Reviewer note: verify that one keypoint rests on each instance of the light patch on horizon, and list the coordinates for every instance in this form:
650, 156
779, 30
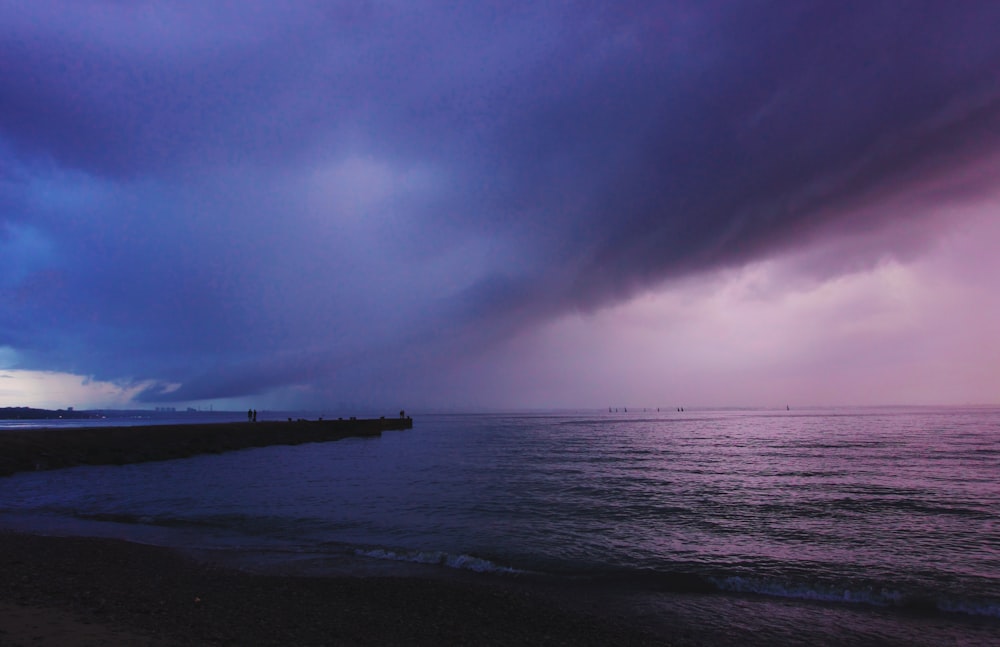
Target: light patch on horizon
53, 390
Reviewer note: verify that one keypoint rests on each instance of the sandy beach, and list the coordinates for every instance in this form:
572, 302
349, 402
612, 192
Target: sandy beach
81, 591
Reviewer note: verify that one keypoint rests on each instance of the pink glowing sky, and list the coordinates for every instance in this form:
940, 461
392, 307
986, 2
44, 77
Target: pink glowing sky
922, 329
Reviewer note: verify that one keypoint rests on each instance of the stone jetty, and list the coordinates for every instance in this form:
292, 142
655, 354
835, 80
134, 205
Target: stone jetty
43, 449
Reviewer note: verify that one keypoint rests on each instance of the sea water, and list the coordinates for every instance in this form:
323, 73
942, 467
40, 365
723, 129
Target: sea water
873, 525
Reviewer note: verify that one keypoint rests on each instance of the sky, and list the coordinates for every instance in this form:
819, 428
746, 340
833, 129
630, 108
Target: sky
433, 205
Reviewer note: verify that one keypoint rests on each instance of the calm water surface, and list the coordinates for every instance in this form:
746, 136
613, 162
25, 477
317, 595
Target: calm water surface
872, 525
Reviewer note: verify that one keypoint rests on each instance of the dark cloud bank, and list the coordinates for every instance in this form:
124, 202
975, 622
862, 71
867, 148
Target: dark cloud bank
162, 169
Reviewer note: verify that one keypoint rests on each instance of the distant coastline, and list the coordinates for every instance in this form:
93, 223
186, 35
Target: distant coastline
29, 413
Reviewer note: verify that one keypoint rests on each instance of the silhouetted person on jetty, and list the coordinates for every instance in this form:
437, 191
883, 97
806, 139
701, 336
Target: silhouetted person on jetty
255, 415
249, 415
402, 413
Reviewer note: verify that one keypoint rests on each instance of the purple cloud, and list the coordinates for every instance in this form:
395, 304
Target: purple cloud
243, 198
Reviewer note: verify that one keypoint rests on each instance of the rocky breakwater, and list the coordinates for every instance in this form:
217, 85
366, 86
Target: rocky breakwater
43, 449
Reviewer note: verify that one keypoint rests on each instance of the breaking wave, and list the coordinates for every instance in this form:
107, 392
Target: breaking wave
881, 597
440, 558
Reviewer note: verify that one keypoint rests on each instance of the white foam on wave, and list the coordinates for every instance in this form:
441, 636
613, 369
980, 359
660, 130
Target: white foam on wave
440, 558
970, 607
737, 584
880, 597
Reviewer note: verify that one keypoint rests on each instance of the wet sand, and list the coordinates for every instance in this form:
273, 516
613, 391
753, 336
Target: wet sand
42, 449
82, 591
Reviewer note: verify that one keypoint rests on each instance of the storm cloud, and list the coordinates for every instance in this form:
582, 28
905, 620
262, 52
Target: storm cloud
220, 200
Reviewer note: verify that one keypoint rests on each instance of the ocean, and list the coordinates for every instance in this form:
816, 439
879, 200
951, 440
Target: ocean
812, 526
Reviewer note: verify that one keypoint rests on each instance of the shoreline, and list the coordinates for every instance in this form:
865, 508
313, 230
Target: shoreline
76, 591
127, 593
53, 448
